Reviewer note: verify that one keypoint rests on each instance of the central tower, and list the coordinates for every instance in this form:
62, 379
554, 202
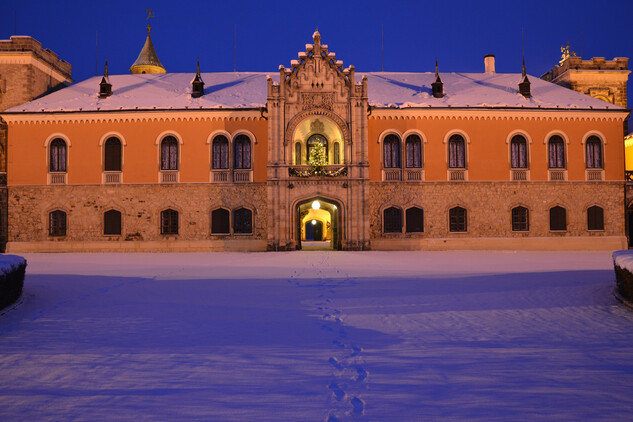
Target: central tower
317, 101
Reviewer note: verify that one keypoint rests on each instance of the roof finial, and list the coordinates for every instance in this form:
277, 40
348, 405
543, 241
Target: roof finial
437, 73
105, 71
150, 14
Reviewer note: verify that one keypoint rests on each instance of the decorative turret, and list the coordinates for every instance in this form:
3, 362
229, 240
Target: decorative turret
524, 85
437, 87
197, 85
316, 37
105, 87
147, 61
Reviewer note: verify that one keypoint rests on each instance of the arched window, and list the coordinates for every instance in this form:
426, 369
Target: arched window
413, 151
456, 152
242, 221
169, 222
518, 152
557, 219
593, 149
298, 153
392, 220
556, 148
57, 162
57, 223
112, 155
595, 218
242, 152
220, 221
391, 151
520, 219
169, 153
337, 153
220, 152
415, 220
314, 139
457, 219
112, 223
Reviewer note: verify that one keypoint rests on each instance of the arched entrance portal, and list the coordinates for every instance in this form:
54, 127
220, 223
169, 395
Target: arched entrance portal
318, 224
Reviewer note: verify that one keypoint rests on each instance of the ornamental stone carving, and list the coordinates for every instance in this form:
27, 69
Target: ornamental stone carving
312, 100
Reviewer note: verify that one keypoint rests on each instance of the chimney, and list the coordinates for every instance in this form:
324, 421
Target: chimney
489, 63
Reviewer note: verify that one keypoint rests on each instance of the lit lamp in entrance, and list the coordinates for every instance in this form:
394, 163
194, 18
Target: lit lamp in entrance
314, 222
316, 206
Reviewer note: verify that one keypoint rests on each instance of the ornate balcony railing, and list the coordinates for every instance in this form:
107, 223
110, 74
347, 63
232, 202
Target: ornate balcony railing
594, 174
628, 176
3, 179
333, 170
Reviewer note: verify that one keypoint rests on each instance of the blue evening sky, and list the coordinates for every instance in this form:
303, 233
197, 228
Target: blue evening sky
270, 33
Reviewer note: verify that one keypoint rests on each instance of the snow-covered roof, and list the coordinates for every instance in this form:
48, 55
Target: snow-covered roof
248, 90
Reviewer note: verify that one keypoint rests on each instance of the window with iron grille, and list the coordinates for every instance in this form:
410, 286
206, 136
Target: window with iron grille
242, 221
457, 219
392, 220
415, 220
520, 219
557, 219
112, 155
57, 223
169, 153
57, 161
391, 151
169, 222
112, 223
220, 221
220, 152
595, 218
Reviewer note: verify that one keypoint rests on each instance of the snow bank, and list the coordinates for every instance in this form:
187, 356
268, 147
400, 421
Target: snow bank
623, 263
9, 263
12, 268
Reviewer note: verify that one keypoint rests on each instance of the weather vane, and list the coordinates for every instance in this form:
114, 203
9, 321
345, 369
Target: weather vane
565, 54
150, 15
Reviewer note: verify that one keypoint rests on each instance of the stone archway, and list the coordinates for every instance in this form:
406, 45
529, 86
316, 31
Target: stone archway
325, 217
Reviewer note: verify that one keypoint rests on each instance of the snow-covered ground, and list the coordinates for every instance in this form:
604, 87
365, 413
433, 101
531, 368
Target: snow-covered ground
314, 336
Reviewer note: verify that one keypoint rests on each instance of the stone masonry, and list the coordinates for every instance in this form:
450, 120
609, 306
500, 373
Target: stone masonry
489, 207
140, 206
26, 71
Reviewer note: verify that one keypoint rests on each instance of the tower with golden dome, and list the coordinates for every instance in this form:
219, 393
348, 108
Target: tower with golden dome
147, 60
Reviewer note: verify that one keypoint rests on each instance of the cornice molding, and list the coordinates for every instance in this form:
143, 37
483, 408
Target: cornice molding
497, 114
133, 116
29, 58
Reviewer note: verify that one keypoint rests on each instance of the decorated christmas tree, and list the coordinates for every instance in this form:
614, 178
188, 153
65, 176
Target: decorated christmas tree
317, 158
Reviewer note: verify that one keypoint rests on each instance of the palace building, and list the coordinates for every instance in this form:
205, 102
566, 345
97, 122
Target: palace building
315, 154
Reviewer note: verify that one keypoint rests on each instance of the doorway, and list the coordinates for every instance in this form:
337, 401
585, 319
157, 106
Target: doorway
317, 224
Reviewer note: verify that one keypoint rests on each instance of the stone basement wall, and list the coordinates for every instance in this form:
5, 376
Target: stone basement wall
140, 206
489, 207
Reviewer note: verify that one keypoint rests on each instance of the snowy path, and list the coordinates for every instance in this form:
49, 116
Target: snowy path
323, 336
